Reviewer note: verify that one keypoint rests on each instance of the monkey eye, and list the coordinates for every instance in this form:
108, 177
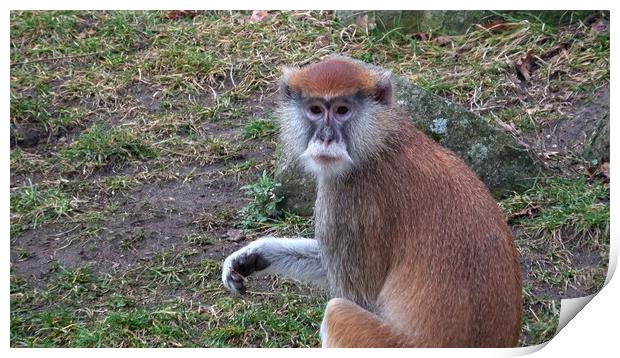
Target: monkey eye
315, 112
342, 112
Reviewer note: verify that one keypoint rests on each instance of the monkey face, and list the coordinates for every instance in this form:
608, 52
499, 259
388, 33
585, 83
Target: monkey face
335, 115
328, 119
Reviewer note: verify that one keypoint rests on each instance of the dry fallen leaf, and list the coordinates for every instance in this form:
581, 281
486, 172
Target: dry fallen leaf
527, 211
561, 49
235, 235
258, 15
177, 14
524, 66
361, 21
421, 36
322, 40
507, 126
600, 26
550, 154
601, 171
605, 170
86, 33
442, 40
495, 26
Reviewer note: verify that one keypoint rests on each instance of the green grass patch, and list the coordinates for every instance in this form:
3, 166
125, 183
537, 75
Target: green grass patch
30, 109
563, 235
18, 161
241, 168
270, 325
259, 128
79, 308
38, 110
42, 24
189, 60
99, 146
288, 224
223, 110
222, 149
558, 202
118, 183
540, 321
33, 206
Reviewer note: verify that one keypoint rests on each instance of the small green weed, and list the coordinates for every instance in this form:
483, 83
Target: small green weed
264, 201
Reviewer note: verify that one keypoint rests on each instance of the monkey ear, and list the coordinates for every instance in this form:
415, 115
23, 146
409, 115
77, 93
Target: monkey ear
285, 89
383, 90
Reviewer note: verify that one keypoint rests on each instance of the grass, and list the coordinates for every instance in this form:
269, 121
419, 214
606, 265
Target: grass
563, 227
33, 109
559, 203
37, 110
275, 329
99, 146
33, 206
259, 128
113, 113
541, 320
84, 309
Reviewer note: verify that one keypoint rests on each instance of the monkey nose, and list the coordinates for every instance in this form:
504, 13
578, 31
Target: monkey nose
326, 135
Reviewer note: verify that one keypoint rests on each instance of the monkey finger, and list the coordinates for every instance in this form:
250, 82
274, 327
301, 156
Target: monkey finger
245, 264
241, 290
235, 282
237, 288
237, 277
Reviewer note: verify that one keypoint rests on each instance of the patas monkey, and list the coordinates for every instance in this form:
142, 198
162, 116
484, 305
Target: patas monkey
409, 242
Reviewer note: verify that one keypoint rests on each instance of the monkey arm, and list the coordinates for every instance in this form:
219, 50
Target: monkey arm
299, 259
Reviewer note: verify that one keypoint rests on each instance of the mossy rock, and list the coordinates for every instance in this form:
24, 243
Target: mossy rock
454, 22
437, 21
596, 148
500, 161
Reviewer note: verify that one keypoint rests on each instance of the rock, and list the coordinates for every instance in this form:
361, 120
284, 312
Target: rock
235, 235
596, 149
592, 115
452, 22
297, 189
500, 161
436, 21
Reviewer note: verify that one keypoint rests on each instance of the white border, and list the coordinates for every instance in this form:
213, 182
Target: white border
592, 331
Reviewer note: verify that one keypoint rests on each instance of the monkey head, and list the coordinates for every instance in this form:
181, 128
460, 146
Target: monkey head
333, 115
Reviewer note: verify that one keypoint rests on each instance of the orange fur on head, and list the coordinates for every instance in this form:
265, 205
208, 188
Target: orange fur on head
330, 78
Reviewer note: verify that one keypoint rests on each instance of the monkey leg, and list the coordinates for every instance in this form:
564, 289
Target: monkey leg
346, 324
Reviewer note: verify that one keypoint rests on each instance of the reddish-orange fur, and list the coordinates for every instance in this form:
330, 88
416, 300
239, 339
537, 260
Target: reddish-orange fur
331, 78
413, 241
436, 245
350, 326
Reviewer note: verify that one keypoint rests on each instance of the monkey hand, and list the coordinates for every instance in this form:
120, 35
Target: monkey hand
240, 264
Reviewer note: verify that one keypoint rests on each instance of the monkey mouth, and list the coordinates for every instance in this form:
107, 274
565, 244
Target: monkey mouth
328, 160
323, 159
